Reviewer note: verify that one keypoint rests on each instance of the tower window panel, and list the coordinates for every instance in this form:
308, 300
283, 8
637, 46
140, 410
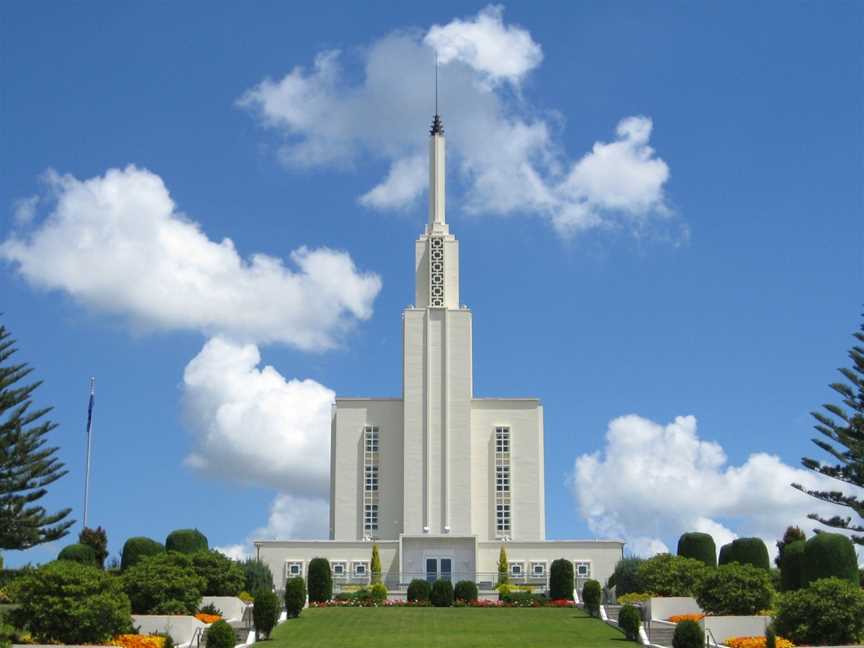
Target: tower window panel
503, 520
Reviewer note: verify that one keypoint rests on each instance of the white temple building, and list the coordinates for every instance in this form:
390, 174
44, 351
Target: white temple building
438, 478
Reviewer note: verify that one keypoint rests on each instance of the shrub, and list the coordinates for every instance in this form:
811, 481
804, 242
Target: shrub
265, 612
442, 593
634, 597
70, 603
830, 555
378, 592
629, 620
735, 589
257, 575
466, 591
165, 577
792, 566
666, 575
137, 548
96, 539
792, 534
246, 597
222, 576
295, 596
561, 579
626, 580
210, 609
591, 597
746, 551
171, 606
688, 634
518, 598
770, 637
79, 553
320, 580
699, 546
723, 554
375, 565
418, 590
503, 572
220, 635
826, 612
186, 541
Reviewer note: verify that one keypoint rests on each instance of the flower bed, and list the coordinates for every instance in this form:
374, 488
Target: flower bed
138, 641
479, 603
755, 642
208, 618
678, 618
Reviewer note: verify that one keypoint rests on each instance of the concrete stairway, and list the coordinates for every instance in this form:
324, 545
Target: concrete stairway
660, 633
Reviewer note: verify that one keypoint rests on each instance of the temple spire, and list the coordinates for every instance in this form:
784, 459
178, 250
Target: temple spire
436, 175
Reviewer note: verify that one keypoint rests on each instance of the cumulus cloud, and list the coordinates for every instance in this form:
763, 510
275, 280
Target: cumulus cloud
24, 209
252, 425
651, 482
117, 243
506, 155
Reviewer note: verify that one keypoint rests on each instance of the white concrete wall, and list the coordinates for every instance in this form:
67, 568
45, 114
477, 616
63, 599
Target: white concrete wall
602, 554
414, 439
456, 426
231, 606
276, 554
663, 607
726, 627
181, 628
415, 551
346, 497
525, 419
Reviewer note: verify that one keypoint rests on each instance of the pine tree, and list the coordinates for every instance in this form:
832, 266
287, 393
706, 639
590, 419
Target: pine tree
502, 566
375, 566
844, 429
27, 466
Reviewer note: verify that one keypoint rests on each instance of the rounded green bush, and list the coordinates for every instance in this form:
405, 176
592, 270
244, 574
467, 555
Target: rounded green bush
295, 596
186, 541
688, 634
735, 590
667, 575
137, 548
265, 612
591, 592
79, 553
442, 593
221, 635
418, 590
629, 620
625, 578
830, 555
157, 580
320, 580
828, 612
223, 576
699, 546
378, 593
466, 590
746, 551
561, 579
70, 603
792, 566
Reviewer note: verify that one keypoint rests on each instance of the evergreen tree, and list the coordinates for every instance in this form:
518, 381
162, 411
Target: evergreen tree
27, 466
98, 540
502, 566
844, 429
375, 566
793, 534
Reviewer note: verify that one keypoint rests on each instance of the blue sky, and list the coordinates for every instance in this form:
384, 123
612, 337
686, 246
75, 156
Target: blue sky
704, 263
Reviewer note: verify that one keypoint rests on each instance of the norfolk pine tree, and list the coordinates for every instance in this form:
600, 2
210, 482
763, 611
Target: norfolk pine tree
27, 466
502, 566
843, 426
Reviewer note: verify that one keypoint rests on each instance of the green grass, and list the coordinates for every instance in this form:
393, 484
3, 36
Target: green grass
445, 627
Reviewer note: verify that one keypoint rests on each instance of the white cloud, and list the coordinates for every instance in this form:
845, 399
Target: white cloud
235, 551
118, 243
24, 209
251, 425
488, 45
506, 155
652, 482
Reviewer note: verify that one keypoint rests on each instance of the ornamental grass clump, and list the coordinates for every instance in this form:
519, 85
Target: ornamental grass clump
629, 620
688, 634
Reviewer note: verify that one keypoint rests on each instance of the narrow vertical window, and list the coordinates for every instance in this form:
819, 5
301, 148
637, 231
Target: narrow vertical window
502, 482
371, 446
436, 271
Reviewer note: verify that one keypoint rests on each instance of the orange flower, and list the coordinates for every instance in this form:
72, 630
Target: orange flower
138, 641
755, 642
207, 618
678, 618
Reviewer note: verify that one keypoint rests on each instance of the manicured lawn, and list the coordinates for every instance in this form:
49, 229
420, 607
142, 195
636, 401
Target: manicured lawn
444, 627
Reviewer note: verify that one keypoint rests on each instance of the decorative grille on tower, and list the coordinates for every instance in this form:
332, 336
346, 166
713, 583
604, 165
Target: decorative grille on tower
436, 271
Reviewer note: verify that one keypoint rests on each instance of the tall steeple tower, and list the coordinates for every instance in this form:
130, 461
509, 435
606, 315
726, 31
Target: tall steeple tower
436, 375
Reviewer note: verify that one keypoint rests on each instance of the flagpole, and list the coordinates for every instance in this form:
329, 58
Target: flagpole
89, 446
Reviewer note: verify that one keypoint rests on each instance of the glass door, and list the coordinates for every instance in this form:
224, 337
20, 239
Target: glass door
439, 568
431, 569
445, 570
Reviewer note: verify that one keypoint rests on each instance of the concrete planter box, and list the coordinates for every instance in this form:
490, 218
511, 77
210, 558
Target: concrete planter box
724, 627
181, 628
663, 607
